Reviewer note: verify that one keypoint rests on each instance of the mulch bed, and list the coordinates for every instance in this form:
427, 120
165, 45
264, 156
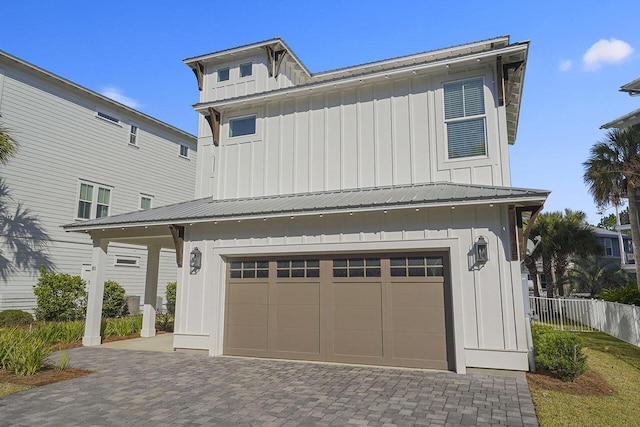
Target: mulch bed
588, 384
44, 377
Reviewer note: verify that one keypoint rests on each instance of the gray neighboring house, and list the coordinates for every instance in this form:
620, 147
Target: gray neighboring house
81, 156
614, 244
359, 215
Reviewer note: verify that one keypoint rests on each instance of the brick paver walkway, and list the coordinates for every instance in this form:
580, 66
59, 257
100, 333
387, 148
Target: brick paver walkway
149, 388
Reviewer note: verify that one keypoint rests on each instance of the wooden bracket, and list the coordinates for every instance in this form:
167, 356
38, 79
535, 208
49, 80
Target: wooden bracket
500, 80
213, 118
522, 232
517, 68
275, 60
198, 70
177, 232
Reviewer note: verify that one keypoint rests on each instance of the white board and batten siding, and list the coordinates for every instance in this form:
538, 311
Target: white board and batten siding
63, 143
488, 313
389, 133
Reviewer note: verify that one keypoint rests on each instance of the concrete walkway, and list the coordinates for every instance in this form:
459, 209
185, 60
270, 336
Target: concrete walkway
145, 388
161, 342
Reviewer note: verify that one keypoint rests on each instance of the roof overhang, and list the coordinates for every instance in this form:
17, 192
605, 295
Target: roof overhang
434, 195
632, 88
622, 122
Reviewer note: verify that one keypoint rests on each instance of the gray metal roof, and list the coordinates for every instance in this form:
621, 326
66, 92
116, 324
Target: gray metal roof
378, 198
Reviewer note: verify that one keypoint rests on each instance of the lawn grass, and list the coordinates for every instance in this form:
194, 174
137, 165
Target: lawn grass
619, 364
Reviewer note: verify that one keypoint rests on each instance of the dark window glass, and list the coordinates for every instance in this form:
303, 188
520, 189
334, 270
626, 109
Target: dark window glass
236, 265
416, 272
435, 271
297, 264
398, 272
313, 273
248, 274
263, 273
283, 264
283, 273
373, 262
223, 74
242, 126
339, 263
356, 263
249, 264
373, 272
339, 272
416, 261
262, 264
398, 261
297, 272
236, 274
313, 263
356, 272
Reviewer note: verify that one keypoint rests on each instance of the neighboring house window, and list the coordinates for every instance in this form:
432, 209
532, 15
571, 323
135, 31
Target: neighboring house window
107, 117
184, 151
608, 247
223, 74
242, 126
133, 136
90, 193
127, 261
246, 69
145, 202
464, 115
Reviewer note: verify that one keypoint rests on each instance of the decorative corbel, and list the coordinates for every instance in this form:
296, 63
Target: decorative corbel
213, 118
177, 232
525, 232
198, 70
275, 58
517, 68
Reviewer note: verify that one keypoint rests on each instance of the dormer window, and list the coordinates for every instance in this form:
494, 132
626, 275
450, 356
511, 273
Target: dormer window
246, 69
223, 74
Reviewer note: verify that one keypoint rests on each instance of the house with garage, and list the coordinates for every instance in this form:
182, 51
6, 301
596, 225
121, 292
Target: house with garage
81, 156
358, 215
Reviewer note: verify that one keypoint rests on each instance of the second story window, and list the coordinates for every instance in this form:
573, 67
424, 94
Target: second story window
133, 135
223, 74
242, 126
145, 201
94, 201
464, 116
246, 69
184, 151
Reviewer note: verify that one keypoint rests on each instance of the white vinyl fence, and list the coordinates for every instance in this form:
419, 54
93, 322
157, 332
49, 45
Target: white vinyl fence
585, 315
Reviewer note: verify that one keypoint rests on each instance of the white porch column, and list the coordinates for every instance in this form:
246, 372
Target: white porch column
150, 292
96, 294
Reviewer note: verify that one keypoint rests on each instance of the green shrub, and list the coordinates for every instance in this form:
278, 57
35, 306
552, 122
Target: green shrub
10, 318
48, 332
71, 331
164, 322
559, 352
114, 303
121, 327
23, 351
59, 296
170, 293
625, 295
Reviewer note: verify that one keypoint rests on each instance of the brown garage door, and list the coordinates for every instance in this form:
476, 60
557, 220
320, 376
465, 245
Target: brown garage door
359, 309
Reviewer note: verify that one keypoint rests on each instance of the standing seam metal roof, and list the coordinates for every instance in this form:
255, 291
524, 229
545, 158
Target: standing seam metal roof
318, 202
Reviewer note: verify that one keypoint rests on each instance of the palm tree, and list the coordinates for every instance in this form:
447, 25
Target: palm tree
593, 274
613, 171
8, 145
544, 226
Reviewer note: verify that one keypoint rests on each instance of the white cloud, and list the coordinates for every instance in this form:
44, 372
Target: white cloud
603, 51
116, 94
565, 65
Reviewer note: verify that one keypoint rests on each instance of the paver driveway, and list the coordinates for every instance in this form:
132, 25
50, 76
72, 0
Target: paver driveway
149, 388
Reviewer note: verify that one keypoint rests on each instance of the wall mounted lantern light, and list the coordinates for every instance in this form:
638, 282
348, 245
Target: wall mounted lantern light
482, 250
195, 260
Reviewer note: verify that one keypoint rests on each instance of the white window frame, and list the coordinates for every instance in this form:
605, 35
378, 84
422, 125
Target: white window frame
228, 70
465, 118
133, 261
133, 134
186, 147
95, 191
250, 64
145, 196
608, 247
231, 119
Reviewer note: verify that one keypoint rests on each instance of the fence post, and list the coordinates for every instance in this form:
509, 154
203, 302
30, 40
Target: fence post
560, 314
635, 324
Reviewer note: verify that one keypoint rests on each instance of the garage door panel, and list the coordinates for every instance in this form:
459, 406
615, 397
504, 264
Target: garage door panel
297, 316
247, 337
248, 293
248, 315
417, 294
357, 318
412, 319
357, 343
298, 293
298, 340
345, 293
428, 347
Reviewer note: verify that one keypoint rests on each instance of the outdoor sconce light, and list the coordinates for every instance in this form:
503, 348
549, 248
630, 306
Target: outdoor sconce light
482, 250
195, 260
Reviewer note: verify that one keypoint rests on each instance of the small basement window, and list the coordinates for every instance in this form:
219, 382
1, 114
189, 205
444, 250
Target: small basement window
242, 126
223, 74
246, 69
127, 261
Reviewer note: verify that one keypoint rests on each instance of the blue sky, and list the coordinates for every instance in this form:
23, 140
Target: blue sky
133, 51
